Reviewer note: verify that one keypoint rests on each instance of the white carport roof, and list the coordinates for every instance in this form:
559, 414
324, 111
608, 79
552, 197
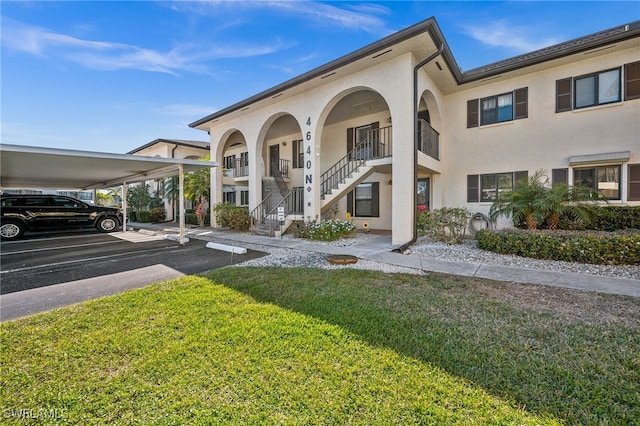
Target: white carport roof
23, 167
52, 168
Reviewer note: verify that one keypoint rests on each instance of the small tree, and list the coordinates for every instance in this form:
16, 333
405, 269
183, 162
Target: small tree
573, 201
524, 202
138, 197
533, 201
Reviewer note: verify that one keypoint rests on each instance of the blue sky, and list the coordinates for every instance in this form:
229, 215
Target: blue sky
111, 76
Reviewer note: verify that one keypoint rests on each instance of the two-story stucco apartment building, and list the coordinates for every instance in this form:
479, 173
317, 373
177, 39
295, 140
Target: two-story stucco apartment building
396, 127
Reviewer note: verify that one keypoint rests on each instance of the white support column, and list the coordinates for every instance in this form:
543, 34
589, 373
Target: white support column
124, 206
181, 201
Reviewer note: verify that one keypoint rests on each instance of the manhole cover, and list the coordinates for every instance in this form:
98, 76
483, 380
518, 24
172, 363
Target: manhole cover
341, 259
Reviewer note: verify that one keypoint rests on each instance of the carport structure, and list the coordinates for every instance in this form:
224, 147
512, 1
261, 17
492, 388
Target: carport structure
25, 167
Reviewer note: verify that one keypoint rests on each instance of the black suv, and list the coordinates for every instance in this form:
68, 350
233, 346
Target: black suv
20, 213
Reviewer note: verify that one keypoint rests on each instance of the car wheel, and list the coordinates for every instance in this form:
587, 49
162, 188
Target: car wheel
11, 230
107, 224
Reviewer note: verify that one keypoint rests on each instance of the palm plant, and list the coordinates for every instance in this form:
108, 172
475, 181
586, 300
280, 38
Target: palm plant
525, 203
533, 202
197, 185
570, 200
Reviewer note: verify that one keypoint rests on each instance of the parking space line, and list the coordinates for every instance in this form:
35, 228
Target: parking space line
4, 253
68, 262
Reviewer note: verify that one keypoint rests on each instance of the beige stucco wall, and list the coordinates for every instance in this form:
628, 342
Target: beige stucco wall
544, 140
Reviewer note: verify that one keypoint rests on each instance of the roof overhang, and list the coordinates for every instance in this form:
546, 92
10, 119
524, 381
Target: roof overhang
50, 168
422, 40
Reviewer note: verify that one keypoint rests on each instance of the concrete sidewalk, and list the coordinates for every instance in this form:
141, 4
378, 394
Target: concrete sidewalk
378, 250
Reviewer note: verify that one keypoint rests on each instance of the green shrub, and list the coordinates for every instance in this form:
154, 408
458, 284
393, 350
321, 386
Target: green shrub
588, 248
446, 224
144, 217
157, 214
232, 216
133, 216
330, 230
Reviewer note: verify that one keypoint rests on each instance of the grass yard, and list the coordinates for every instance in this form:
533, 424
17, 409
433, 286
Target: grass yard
307, 346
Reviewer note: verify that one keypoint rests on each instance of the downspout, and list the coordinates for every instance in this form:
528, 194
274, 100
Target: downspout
421, 64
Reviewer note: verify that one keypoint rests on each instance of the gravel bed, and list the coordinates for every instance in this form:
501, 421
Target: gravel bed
466, 252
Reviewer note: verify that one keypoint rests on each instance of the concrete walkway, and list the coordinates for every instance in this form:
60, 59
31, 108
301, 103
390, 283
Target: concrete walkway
377, 250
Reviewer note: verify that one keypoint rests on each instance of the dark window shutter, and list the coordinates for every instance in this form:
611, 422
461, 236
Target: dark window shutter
375, 199
295, 154
559, 176
473, 188
519, 175
563, 95
472, 113
521, 100
350, 137
632, 81
350, 203
634, 182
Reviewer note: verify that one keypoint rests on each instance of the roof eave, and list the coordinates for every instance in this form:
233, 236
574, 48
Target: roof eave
428, 25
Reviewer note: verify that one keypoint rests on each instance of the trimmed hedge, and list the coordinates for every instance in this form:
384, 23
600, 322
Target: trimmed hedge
615, 217
588, 248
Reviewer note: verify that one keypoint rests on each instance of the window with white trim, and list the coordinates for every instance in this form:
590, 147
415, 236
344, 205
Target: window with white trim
605, 179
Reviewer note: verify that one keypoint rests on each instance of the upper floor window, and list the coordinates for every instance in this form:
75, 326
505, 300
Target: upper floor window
229, 162
497, 109
298, 154
599, 88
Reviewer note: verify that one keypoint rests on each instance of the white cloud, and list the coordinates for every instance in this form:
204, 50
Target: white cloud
516, 38
104, 55
361, 17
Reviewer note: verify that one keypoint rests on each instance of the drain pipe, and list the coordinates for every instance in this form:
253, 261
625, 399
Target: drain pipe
403, 247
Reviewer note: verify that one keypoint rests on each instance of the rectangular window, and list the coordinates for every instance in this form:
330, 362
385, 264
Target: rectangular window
597, 89
229, 162
493, 184
364, 200
605, 179
298, 154
497, 109
244, 198
229, 197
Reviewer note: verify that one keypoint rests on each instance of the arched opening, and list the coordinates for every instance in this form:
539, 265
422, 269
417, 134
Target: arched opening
234, 158
281, 151
355, 159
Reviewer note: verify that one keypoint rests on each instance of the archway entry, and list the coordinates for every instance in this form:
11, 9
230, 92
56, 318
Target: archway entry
355, 160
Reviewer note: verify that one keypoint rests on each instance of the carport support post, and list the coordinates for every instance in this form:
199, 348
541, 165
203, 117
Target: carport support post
181, 198
124, 206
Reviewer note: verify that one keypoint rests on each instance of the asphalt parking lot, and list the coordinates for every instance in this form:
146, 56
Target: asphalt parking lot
56, 265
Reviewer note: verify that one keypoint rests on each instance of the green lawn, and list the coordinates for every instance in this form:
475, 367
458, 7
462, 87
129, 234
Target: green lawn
304, 346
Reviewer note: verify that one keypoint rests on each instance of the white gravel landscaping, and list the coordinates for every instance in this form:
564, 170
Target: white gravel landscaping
466, 252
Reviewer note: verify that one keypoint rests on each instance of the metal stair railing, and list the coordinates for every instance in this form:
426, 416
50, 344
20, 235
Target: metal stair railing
377, 144
259, 214
280, 170
293, 203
